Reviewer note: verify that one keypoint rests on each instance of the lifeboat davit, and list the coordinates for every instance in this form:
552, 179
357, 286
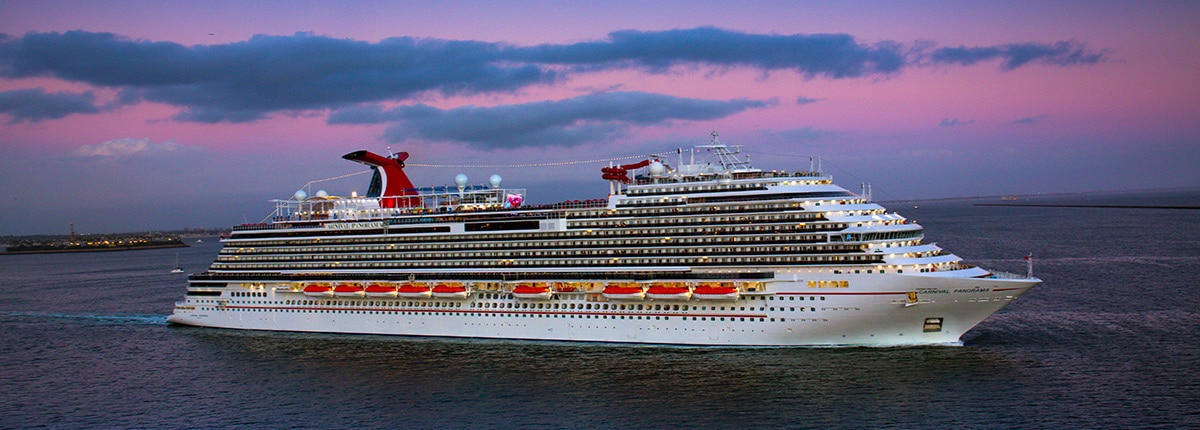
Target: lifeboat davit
532, 292
712, 292
617, 292
414, 291
564, 288
668, 292
318, 291
347, 290
450, 291
377, 290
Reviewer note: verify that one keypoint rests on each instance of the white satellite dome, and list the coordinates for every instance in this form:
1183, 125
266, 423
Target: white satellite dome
300, 195
657, 168
460, 180
322, 193
495, 181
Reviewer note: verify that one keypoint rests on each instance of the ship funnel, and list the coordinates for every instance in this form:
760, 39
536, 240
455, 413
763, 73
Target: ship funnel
389, 180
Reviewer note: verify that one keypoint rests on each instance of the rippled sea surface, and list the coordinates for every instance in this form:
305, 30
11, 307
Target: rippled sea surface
1111, 340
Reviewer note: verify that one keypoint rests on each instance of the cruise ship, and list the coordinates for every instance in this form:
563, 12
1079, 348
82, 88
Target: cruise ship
708, 252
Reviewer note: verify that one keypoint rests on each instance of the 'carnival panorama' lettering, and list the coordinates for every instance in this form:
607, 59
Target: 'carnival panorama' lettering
972, 290
353, 225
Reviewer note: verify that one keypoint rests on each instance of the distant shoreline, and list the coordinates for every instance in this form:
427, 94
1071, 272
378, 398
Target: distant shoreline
1046, 205
95, 249
1044, 195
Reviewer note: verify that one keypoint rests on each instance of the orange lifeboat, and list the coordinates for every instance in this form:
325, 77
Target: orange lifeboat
377, 290
347, 290
618, 292
668, 292
317, 290
715, 292
450, 291
532, 292
414, 291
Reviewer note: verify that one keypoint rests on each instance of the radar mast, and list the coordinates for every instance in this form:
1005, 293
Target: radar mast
728, 156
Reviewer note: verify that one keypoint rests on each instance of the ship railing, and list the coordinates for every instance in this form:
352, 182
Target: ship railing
433, 200
572, 204
421, 214
741, 175
996, 274
256, 226
442, 207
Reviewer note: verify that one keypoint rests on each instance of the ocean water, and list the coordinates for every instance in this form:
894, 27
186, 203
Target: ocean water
1111, 340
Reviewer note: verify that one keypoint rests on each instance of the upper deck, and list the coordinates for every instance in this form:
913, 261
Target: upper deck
724, 180
449, 205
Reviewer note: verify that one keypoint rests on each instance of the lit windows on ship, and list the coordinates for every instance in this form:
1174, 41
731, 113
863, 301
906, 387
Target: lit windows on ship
828, 284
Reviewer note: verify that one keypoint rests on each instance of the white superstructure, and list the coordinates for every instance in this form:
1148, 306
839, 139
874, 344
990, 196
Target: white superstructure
700, 254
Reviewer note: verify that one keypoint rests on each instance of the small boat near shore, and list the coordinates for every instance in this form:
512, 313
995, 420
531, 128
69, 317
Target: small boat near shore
178, 268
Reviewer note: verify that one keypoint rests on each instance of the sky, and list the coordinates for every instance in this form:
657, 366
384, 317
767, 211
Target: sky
121, 116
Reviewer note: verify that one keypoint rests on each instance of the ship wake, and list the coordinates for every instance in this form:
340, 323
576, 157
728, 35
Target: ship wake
94, 318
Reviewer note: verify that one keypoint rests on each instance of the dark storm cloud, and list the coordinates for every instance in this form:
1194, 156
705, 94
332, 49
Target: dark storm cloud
828, 55
246, 81
1012, 56
569, 122
35, 104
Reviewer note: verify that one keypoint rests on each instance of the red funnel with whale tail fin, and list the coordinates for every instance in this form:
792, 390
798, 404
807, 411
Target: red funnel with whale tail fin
389, 182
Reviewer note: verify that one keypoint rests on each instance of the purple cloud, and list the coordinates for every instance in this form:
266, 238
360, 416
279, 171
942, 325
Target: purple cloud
246, 81
1012, 56
35, 104
570, 122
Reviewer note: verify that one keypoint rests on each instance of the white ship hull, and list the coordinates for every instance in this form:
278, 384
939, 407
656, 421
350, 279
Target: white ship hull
877, 311
702, 254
